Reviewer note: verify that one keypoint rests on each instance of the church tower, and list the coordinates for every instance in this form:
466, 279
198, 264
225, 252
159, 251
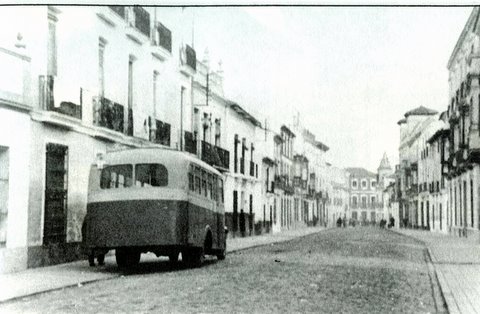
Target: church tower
383, 171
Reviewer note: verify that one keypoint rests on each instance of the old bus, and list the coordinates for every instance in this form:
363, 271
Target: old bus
155, 200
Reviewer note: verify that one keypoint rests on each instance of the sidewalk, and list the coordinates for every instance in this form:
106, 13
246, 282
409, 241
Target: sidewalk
37, 280
457, 265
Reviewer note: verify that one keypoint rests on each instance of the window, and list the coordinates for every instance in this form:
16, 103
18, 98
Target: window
220, 185
373, 200
151, 175
373, 184
204, 182
118, 176
198, 176
354, 201
354, 184
215, 188
364, 184
209, 186
364, 201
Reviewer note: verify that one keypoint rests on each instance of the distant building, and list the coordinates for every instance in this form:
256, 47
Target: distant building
412, 141
363, 195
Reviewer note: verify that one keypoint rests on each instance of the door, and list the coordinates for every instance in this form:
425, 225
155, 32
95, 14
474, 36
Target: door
56, 179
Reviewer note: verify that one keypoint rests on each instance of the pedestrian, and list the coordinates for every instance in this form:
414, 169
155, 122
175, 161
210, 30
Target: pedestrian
392, 222
339, 222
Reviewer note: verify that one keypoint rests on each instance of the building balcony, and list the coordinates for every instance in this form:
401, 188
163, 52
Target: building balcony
162, 133
138, 24
161, 42
112, 14
59, 97
215, 156
119, 10
108, 114
190, 143
224, 156
188, 59
279, 182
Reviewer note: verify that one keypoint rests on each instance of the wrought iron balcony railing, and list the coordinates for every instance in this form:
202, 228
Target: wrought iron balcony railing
120, 10
190, 144
108, 114
162, 37
142, 20
191, 57
224, 157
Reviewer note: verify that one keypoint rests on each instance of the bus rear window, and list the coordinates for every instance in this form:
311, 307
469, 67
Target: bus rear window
151, 175
114, 177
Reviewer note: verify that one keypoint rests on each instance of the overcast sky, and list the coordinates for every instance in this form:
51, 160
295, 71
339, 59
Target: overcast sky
351, 73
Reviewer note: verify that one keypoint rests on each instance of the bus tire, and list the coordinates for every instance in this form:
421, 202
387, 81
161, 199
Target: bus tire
194, 257
222, 255
173, 258
127, 258
91, 259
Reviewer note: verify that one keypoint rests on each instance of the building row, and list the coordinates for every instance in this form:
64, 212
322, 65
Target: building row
437, 183
82, 81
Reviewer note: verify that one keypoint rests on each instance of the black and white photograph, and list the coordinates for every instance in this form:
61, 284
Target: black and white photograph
240, 157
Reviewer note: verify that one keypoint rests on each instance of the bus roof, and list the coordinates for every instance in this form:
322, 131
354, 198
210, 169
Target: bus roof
154, 154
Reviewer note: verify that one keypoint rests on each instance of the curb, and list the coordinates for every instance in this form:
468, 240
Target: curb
433, 273
445, 292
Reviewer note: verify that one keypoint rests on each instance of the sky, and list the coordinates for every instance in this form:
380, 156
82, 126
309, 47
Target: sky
349, 72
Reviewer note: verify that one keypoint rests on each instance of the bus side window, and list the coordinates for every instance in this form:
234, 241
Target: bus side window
147, 175
215, 188
197, 180
191, 184
116, 176
220, 185
209, 186
204, 182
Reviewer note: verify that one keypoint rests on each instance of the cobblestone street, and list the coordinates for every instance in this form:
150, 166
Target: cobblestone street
353, 270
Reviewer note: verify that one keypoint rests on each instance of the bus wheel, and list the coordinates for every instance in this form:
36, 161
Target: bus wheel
173, 258
91, 259
223, 253
127, 258
194, 257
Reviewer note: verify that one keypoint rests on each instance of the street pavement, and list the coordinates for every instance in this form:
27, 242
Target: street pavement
38, 280
457, 265
340, 270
